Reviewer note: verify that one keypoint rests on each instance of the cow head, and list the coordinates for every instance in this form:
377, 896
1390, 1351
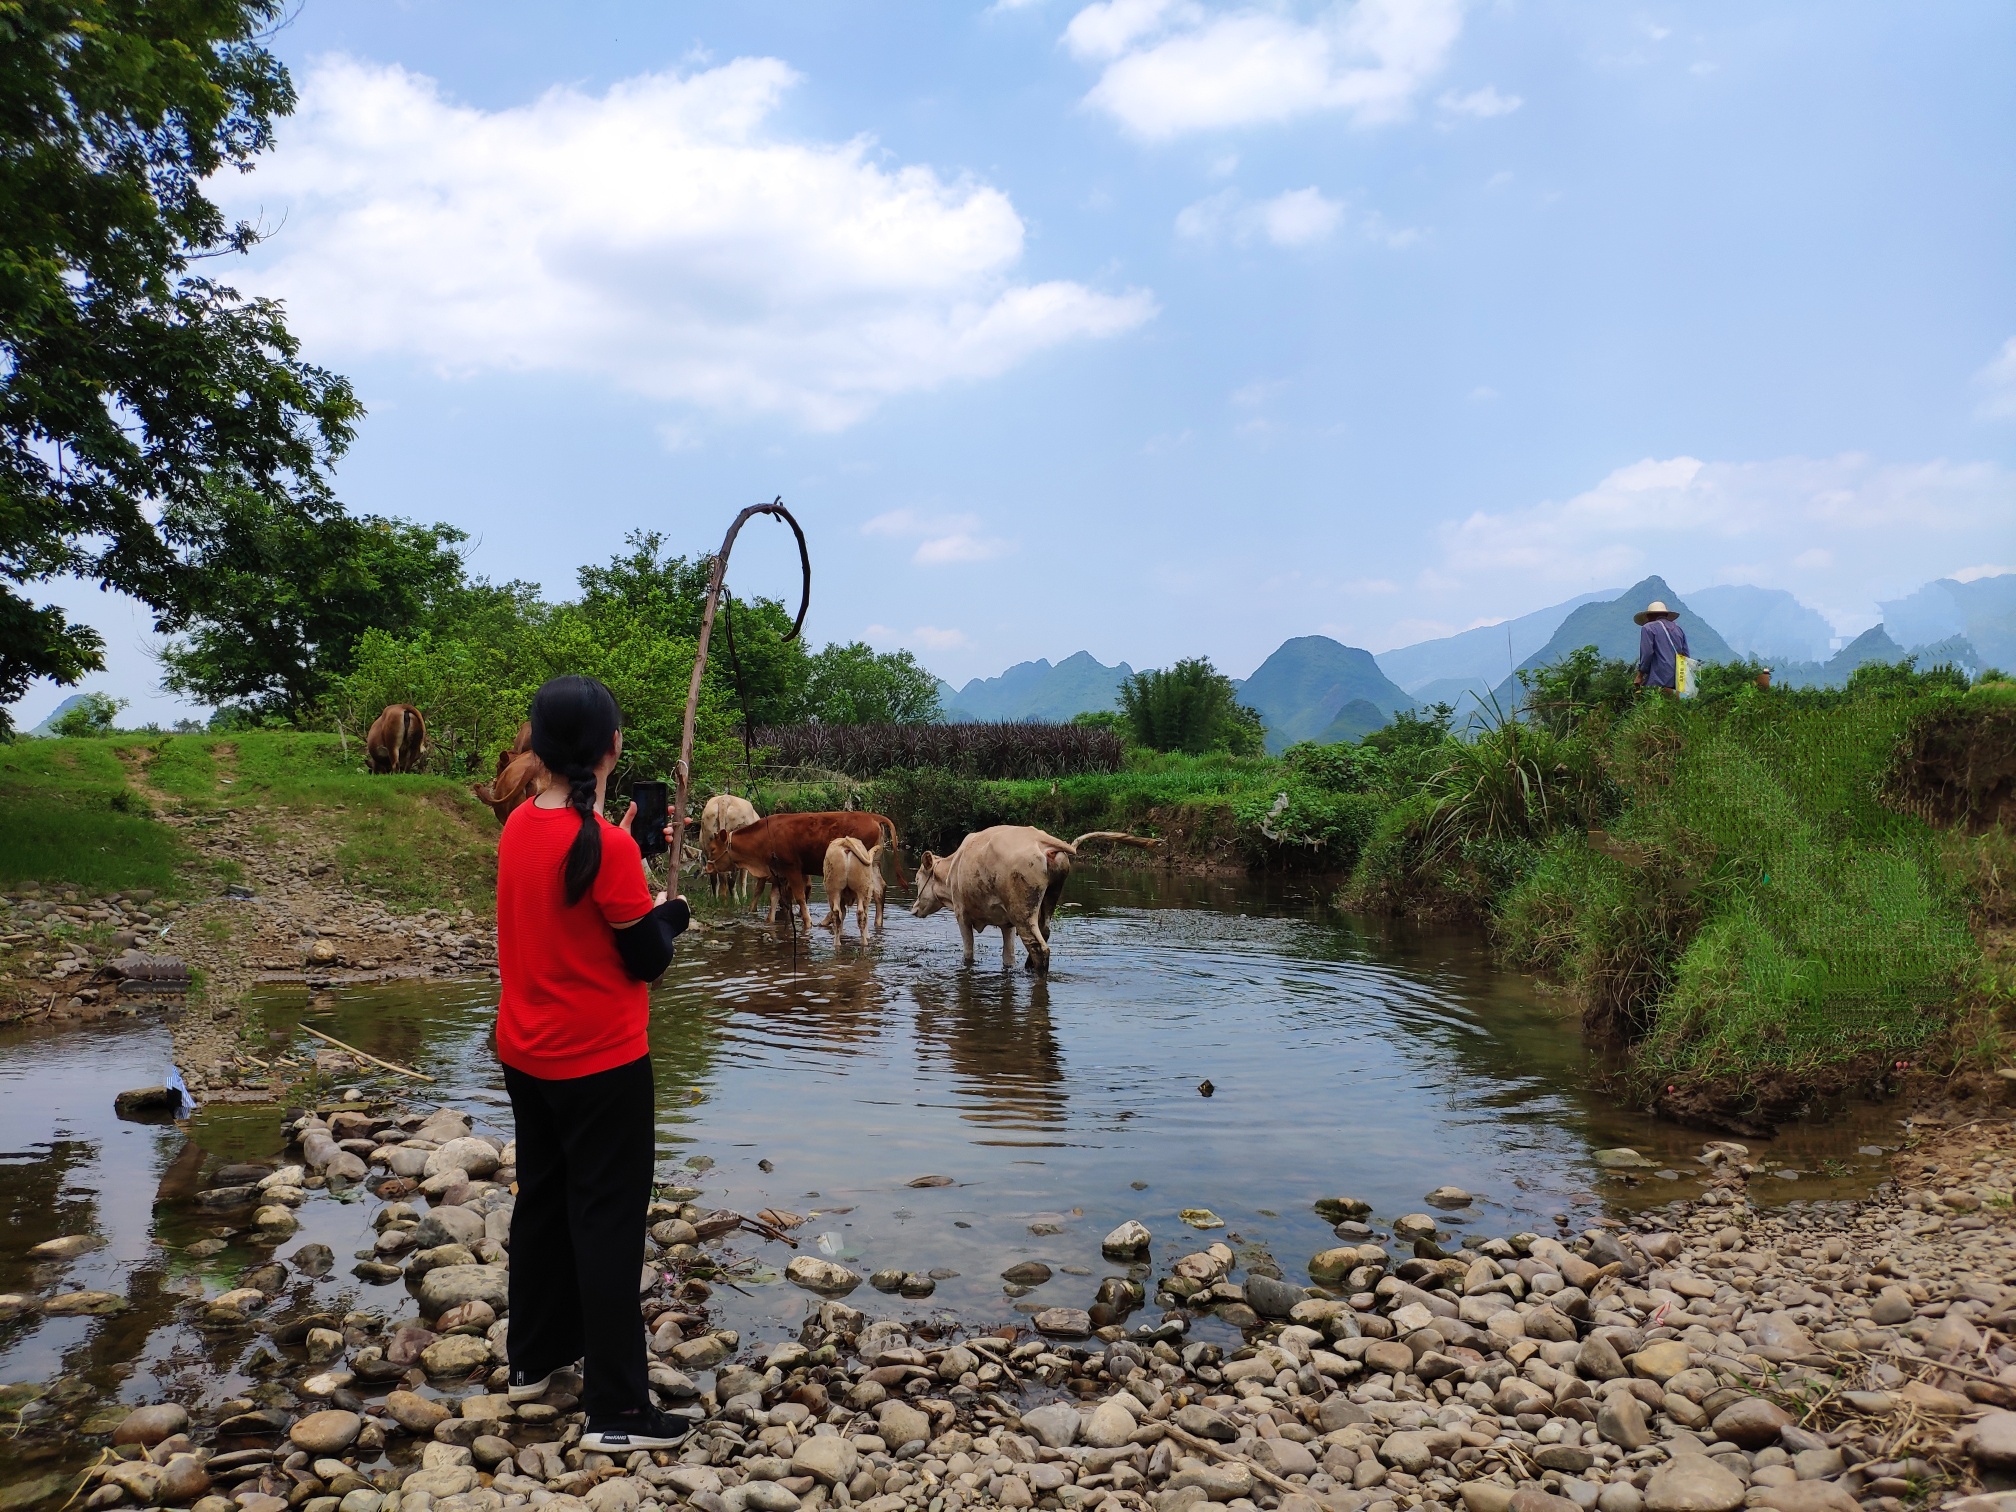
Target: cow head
717, 862
934, 888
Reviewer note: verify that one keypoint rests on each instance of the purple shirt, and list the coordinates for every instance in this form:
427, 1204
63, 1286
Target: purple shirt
1659, 641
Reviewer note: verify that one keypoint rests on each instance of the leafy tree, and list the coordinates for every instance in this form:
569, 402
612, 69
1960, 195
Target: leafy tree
475, 692
92, 714
127, 382
854, 684
670, 592
276, 603
1190, 707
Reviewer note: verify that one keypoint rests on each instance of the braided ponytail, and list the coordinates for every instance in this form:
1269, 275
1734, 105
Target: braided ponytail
574, 723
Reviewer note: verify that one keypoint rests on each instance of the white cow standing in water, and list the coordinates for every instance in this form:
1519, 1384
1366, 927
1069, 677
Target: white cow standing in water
1007, 878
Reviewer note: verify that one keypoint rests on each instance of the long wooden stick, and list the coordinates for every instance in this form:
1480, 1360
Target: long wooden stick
684, 773
365, 1055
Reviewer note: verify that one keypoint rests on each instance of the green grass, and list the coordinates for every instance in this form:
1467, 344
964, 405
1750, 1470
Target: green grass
69, 818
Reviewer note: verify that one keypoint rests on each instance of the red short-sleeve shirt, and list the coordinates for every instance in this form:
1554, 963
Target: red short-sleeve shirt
568, 1008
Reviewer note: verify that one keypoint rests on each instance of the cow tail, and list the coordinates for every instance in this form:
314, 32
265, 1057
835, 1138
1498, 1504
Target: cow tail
895, 848
1118, 837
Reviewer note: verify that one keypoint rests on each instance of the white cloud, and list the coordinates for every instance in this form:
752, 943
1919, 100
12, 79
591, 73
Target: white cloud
1482, 103
1975, 574
661, 236
1298, 218
1172, 68
946, 539
1999, 379
1840, 531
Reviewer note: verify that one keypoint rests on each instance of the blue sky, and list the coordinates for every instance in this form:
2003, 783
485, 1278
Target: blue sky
1165, 327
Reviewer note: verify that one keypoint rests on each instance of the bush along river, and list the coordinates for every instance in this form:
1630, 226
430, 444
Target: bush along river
1244, 1204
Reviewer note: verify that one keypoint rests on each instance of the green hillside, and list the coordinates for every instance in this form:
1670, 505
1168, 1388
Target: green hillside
1303, 686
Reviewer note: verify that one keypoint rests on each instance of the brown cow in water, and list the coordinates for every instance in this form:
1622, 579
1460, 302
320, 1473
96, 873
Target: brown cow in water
518, 774
397, 741
785, 849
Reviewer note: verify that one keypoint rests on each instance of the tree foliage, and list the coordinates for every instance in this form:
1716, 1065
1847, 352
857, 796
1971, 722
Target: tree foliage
643, 584
276, 603
127, 381
1190, 707
854, 684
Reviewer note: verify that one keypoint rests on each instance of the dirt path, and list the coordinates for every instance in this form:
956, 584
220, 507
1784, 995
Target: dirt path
287, 918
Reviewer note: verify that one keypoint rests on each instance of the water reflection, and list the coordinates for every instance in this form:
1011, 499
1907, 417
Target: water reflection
995, 1033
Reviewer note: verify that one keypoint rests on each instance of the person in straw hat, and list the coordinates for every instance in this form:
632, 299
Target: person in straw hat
1661, 643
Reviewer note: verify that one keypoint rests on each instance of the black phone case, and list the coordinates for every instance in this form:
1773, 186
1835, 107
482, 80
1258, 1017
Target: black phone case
648, 828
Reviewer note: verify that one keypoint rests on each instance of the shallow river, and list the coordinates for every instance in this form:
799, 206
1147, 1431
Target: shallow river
1342, 1058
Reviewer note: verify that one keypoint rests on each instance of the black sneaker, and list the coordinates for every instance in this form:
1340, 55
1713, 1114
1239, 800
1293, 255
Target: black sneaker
623, 1432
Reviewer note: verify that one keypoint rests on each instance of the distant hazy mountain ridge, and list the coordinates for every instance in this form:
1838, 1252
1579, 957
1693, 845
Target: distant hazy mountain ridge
1036, 690
1482, 657
1316, 688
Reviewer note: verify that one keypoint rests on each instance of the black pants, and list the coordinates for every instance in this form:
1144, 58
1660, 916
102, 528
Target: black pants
585, 1148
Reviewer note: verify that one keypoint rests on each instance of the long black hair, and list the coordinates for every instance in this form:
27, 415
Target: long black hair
574, 722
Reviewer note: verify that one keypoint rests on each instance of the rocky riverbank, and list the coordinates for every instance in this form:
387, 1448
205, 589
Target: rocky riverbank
1713, 1355
286, 919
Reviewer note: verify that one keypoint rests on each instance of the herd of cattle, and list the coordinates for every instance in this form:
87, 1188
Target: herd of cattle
1008, 877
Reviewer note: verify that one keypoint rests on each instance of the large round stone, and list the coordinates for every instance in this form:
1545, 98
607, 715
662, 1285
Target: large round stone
415, 1413
448, 1286
457, 1354
1753, 1423
1993, 1442
465, 1154
827, 1458
327, 1432
1693, 1483
823, 1276
147, 1426
449, 1225
1126, 1241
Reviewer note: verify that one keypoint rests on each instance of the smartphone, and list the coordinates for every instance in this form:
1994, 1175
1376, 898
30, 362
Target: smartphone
648, 828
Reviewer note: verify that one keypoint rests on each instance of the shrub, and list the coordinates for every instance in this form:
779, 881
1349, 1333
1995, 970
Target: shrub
1584, 686
92, 714
1307, 827
934, 809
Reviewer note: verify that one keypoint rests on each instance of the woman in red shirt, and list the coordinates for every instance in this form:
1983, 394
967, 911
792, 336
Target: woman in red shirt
579, 940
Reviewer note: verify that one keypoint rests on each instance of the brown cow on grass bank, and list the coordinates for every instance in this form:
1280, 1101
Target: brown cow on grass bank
785, 849
397, 740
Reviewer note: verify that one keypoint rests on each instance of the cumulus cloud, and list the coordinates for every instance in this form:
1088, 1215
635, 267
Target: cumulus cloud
1999, 379
942, 540
1298, 218
1173, 67
1483, 103
1840, 531
660, 235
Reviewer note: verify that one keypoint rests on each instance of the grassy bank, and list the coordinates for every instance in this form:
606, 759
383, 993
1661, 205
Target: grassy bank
1753, 892
99, 815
